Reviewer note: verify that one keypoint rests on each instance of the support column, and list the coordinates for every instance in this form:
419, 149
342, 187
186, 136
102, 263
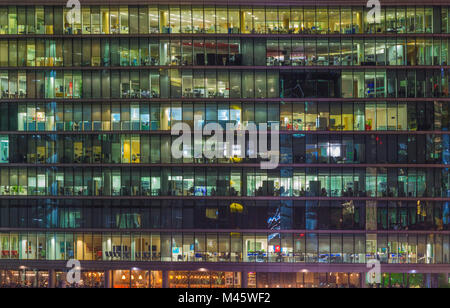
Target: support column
163, 21
362, 282
165, 279
428, 281
51, 279
244, 280
243, 22
435, 280
108, 279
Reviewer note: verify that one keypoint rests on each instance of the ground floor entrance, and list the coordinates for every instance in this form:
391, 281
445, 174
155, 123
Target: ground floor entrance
24, 277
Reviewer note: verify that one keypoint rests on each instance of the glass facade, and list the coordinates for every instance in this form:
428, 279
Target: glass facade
87, 172
227, 51
276, 84
394, 248
222, 19
235, 182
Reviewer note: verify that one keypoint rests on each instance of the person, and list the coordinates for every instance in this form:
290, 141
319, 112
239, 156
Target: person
350, 192
233, 192
260, 191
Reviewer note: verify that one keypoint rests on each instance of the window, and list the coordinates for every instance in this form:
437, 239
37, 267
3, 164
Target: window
4, 149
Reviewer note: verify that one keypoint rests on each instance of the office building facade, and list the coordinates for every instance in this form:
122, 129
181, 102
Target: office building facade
88, 102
